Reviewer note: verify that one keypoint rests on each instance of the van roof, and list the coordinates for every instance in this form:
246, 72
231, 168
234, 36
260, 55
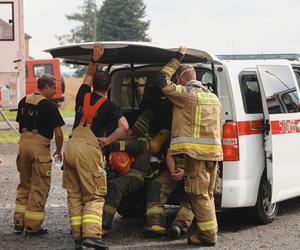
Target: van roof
119, 52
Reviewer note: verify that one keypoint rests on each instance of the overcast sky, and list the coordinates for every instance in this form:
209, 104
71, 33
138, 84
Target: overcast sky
219, 26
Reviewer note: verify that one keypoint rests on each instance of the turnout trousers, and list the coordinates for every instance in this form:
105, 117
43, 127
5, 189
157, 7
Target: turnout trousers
199, 182
117, 189
85, 182
34, 165
159, 192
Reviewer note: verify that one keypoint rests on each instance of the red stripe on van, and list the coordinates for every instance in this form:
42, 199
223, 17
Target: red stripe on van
285, 127
250, 127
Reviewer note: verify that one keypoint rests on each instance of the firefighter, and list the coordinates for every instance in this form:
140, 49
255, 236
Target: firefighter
196, 133
38, 119
137, 144
98, 121
158, 193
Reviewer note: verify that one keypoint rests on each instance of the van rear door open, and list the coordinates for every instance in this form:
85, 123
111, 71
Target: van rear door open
280, 97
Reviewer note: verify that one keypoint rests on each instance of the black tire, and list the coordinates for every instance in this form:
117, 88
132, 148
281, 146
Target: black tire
265, 211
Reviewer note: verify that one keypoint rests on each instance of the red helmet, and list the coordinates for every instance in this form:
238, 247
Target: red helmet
120, 161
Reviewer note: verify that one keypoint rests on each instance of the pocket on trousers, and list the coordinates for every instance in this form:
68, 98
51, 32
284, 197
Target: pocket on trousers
44, 164
100, 182
195, 185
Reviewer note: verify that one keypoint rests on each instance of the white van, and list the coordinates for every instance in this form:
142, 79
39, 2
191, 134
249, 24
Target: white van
261, 115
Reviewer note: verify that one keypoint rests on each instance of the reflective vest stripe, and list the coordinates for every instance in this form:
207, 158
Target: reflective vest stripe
75, 220
178, 88
155, 210
122, 145
208, 225
203, 147
20, 208
205, 98
192, 140
168, 70
197, 122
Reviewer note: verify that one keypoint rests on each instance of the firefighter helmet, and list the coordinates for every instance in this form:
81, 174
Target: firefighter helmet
120, 161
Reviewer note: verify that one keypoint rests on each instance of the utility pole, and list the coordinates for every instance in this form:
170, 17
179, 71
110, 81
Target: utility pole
95, 22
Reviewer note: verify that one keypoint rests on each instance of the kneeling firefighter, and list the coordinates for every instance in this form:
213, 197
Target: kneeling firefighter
130, 179
84, 177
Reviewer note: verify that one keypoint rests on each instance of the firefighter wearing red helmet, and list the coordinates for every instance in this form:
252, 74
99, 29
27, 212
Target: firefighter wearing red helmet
132, 172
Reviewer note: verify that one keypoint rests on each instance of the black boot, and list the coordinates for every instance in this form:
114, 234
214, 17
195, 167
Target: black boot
18, 229
174, 232
94, 242
37, 233
78, 245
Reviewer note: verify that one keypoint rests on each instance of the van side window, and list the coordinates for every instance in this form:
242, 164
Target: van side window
280, 88
291, 102
251, 94
39, 69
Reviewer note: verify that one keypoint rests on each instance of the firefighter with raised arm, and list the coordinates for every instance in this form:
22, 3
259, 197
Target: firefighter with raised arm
196, 133
38, 119
98, 121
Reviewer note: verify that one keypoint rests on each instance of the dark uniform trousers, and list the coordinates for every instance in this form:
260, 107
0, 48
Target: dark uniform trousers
34, 165
199, 182
159, 192
117, 189
85, 182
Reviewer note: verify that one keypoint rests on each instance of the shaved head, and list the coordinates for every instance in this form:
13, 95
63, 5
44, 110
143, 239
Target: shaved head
185, 73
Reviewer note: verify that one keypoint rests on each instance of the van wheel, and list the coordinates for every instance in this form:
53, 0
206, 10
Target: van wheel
264, 210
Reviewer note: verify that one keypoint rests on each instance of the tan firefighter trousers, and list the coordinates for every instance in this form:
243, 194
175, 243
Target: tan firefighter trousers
85, 182
34, 165
199, 182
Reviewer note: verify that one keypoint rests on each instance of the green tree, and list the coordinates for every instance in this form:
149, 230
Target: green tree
86, 31
122, 20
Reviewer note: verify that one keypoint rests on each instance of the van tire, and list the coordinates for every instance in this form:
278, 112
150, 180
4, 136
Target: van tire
265, 212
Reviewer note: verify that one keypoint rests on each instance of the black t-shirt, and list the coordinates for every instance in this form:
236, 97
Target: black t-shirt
43, 117
107, 117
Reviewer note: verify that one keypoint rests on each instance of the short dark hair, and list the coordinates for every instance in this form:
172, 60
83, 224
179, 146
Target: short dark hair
44, 80
101, 81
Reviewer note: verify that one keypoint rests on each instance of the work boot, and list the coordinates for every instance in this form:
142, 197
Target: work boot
174, 232
78, 245
18, 229
195, 240
94, 242
37, 233
154, 231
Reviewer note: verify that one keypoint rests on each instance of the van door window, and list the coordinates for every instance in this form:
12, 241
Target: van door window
39, 69
251, 94
132, 91
6, 21
280, 89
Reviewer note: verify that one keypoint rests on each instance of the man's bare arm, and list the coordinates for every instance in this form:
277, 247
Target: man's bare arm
119, 133
98, 52
59, 140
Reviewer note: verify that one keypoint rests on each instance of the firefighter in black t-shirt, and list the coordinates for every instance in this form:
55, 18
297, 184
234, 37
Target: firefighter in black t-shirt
97, 121
38, 118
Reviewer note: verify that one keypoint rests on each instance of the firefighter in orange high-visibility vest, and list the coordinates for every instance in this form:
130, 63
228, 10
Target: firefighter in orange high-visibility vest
98, 122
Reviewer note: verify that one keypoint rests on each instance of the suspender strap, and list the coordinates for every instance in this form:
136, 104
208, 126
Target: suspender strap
89, 111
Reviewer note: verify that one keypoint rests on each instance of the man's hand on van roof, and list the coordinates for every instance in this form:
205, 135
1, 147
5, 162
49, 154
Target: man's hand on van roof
98, 51
182, 50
